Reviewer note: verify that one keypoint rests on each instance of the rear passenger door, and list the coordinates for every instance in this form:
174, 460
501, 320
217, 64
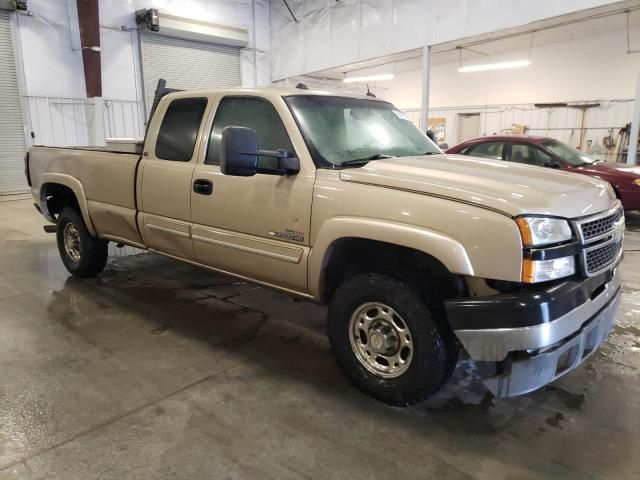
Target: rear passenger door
164, 177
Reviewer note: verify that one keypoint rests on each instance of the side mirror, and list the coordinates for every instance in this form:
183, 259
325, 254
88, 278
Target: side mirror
239, 155
239, 152
551, 164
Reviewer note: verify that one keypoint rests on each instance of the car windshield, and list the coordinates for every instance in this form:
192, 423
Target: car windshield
568, 153
342, 131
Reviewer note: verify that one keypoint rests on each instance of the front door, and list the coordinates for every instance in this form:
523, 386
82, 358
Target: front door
164, 180
527, 154
256, 227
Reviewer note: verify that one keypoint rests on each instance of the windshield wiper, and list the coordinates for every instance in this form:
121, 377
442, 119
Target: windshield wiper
364, 161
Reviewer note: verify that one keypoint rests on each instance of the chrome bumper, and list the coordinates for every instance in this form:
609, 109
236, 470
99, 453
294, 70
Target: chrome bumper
494, 344
525, 375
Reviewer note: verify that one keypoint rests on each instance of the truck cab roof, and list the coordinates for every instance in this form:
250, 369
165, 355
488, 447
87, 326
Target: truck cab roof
270, 91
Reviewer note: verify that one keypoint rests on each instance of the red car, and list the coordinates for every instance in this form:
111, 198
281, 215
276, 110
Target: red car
547, 152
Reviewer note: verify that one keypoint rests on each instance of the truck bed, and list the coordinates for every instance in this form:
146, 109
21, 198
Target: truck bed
114, 145
105, 178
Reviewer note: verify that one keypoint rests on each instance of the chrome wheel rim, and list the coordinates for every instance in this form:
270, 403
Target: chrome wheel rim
72, 244
381, 340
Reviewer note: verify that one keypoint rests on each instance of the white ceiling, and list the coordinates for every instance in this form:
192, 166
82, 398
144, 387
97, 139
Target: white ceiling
558, 29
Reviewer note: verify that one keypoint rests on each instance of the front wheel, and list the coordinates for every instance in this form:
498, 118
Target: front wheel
82, 254
389, 343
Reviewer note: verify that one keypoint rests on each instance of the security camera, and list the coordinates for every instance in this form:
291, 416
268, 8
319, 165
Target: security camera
149, 17
153, 21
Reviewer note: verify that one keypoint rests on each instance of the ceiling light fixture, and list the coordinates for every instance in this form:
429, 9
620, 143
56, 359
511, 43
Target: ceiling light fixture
494, 66
369, 78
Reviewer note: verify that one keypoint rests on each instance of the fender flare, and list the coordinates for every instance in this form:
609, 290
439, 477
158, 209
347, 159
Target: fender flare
443, 248
76, 187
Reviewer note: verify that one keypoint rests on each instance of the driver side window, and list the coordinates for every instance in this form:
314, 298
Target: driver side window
528, 154
249, 112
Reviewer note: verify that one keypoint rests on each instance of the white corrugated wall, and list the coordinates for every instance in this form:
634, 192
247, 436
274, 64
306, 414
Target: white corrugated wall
12, 179
123, 119
64, 122
186, 64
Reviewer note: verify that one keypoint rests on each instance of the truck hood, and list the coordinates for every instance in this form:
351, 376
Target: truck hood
511, 188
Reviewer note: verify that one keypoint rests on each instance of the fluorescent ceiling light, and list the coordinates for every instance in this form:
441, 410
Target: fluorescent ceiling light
370, 78
495, 66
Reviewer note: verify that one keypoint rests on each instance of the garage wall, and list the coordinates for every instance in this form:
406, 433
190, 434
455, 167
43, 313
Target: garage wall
560, 123
329, 33
53, 71
590, 69
593, 67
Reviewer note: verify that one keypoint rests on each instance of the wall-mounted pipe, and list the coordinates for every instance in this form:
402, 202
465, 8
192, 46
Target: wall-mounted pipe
635, 126
255, 47
426, 77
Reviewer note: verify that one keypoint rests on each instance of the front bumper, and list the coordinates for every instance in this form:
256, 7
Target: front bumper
544, 339
631, 198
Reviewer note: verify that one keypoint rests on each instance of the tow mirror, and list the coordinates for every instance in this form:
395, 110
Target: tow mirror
239, 152
239, 155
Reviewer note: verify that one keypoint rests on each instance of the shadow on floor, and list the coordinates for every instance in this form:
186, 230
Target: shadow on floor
277, 331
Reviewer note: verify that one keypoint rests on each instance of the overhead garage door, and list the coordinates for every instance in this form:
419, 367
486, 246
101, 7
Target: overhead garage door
186, 64
12, 144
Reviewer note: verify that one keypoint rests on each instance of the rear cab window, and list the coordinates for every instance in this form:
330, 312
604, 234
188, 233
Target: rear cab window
179, 129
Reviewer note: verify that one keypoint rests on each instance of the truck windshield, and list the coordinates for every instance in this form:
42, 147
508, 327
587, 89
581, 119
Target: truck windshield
342, 131
568, 153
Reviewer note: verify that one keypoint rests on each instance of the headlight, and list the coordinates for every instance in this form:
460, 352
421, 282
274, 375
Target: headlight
538, 231
637, 181
534, 271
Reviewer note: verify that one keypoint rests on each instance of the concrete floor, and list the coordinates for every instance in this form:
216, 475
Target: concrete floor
157, 369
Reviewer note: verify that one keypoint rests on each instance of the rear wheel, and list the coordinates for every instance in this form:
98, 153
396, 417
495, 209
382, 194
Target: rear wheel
82, 254
389, 343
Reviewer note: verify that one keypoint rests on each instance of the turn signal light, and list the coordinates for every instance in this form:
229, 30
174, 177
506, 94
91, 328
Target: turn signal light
534, 271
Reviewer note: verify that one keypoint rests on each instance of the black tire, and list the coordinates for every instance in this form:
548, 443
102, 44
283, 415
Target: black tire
435, 350
93, 251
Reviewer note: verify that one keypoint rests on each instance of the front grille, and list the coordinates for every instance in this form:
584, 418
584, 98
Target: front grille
600, 226
601, 237
600, 258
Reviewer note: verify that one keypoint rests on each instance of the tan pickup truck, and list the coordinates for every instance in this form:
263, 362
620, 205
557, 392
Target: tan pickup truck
342, 200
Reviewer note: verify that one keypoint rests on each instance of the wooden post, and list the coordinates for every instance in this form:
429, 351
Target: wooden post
89, 23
